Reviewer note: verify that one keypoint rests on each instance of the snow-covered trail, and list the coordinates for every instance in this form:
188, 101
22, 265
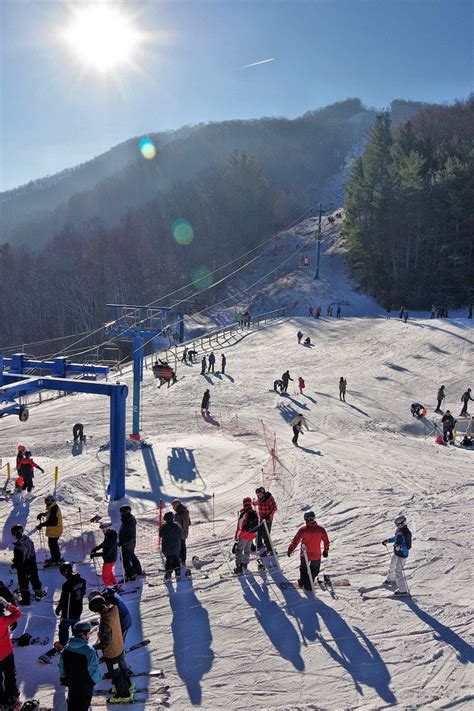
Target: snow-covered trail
238, 643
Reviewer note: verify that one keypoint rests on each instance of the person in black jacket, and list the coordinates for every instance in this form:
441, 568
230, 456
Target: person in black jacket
205, 402
223, 363
203, 365
70, 602
285, 378
448, 426
24, 562
170, 534
127, 541
182, 517
108, 551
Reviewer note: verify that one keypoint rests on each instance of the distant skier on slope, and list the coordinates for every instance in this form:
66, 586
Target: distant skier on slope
267, 509
211, 361
318, 312
205, 402
301, 385
223, 363
466, 396
401, 548
299, 336
203, 365
297, 425
342, 388
440, 397
53, 522
448, 426
311, 536
338, 311
277, 385
285, 378
245, 533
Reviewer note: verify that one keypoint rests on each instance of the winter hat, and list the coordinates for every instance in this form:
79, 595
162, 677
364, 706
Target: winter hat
105, 524
169, 517
247, 502
21, 448
175, 502
260, 490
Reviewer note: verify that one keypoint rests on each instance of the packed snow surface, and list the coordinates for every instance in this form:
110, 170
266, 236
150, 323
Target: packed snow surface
238, 643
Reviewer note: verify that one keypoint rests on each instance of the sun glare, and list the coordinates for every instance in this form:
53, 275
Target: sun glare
102, 38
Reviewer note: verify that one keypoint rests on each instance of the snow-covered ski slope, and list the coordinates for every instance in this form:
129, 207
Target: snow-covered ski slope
245, 643
226, 642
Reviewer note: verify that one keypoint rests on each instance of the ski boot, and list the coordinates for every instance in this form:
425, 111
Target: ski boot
39, 595
123, 699
238, 570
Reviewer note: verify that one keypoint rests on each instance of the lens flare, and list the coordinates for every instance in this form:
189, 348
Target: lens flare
147, 148
182, 231
201, 277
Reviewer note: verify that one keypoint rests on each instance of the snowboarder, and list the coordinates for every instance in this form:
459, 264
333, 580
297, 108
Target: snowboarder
311, 536
245, 533
342, 388
127, 540
26, 470
107, 550
285, 378
267, 509
465, 399
297, 425
78, 432
70, 602
79, 668
307, 341
301, 385
318, 312
440, 397
181, 516
111, 643
338, 311
401, 548
8, 689
211, 361
24, 562
205, 402
223, 363
448, 426
170, 534
278, 385
184, 357
203, 365
54, 528
299, 336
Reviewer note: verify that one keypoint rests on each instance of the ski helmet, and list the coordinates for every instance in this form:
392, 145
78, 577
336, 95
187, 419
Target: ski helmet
66, 569
49, 499
260, 490
21, 448
27, 454
309, 516
400, 520
16, 530
169, 517
81, 628
105, 524
125, 508
96, 603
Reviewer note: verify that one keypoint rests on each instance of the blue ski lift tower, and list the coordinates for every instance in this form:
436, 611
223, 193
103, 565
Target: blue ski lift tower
141, 324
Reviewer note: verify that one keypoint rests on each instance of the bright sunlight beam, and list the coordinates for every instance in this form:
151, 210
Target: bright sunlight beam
102, 38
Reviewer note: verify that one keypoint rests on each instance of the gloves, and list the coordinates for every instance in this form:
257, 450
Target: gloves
40, 515
58, 610
288, 554
325, 554
384, 543
234, 547
39, 527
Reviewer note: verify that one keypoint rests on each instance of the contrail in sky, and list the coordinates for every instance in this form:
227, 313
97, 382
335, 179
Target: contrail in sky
254, 64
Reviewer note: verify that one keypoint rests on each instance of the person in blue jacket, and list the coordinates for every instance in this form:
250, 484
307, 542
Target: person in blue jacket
79, 668
401, 548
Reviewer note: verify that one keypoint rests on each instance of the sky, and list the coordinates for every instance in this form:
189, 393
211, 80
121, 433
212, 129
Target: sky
55, 112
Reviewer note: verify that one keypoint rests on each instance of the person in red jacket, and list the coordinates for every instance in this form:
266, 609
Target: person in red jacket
245, 533
301, 385
310, 536
267, 509
8, 688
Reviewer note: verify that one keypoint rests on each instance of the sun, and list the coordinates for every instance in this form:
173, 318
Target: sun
101, 37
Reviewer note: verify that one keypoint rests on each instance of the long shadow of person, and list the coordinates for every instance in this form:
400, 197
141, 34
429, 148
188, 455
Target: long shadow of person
192, 639
465, 651
355, 653
273, 620
302, 606
18, 515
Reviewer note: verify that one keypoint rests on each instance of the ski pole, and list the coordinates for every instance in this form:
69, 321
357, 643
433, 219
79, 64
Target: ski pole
272, 548
82, 535
121, 563
305, 554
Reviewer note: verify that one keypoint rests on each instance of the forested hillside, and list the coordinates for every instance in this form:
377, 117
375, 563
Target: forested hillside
410, 209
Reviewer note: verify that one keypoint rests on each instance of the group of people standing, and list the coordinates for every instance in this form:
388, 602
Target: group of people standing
316, 312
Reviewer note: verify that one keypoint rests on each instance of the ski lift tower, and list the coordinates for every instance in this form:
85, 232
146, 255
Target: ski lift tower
139, 324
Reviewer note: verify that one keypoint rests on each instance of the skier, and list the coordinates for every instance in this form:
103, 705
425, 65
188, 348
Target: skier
311, 536
278, 385
433, 311
127, 540
448, 426
342, 388
338, 312
70, 602
170, 534
211, 361
401, 312
111, 643
465, 399
24, 562
307, 341
184, 358
389, 312
405, 316
112, 597
401, 548
223, 363
108, 551
26, 470
285, 378
301, 385
205, 402
8, 689
440, 397
54, 528
78, 432
203, 365
310, 311
267, 509
192, 356
79, 668
181, 516
247, 523
19, 456
297, 425
318, 312
299, 336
